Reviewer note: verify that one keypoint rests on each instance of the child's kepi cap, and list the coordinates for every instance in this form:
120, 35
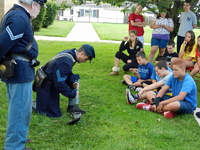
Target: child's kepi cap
89, 50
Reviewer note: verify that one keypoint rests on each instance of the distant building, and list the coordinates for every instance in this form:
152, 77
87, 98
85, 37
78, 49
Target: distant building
90, 12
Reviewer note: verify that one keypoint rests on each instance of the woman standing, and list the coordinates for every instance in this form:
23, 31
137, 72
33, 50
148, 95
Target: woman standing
162, 26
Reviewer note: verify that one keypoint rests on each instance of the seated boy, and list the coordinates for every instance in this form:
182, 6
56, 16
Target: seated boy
143, 73
170, 52
164, 74
184, 92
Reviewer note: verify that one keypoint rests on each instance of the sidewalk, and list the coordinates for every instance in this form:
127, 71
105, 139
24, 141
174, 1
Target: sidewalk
80, 32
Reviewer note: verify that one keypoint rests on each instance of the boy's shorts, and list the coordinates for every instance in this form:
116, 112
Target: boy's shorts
134, 79
159, 42
185, 107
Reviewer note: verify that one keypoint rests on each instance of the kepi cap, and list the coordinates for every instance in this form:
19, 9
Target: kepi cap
41, 2
89, 50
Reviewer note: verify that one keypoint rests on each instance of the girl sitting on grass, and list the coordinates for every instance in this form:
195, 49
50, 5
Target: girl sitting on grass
197, 65
132, 47
188, 51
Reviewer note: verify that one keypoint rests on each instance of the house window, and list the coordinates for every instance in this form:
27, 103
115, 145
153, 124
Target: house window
82, 12
71, 12
88, 12
94, 13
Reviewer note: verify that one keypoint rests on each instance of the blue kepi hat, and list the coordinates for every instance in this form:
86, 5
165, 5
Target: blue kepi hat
89, 50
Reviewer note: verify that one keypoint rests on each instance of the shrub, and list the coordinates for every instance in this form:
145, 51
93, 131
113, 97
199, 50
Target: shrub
37, 22
51, 12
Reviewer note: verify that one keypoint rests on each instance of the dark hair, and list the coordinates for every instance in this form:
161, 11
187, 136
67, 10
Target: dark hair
141, 54
81, 49
134, 32
191, 43
198, 47
180, 63
188, 2
171, 43
160, 58
161, 64
159, 15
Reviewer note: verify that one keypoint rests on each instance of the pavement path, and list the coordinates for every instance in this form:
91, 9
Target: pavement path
80, 32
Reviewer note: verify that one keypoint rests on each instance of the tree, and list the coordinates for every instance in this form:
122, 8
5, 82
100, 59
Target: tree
174, 8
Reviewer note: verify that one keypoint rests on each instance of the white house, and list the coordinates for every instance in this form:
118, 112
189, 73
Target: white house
90, 12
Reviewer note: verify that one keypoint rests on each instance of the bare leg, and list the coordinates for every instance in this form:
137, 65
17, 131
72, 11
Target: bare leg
150, 95
174, 106
152, 53
195, 70
127, 79
161, 51
117, 61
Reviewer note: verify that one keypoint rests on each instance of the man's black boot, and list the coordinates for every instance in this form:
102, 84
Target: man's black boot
71, 109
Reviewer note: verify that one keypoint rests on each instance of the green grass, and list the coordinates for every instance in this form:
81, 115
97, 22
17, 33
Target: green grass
105, 31
57, 29
110, 123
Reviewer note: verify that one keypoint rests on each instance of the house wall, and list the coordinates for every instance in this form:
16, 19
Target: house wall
5, 5
105, 15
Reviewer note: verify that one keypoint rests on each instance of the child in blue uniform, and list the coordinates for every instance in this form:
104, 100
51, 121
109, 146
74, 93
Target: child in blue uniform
62, 80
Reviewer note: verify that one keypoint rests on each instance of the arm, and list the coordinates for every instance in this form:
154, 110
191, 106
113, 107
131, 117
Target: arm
151, 87
170, 29
182, 49
135, 72
153, 26
138, 24
122, 46
180, 97
62, 74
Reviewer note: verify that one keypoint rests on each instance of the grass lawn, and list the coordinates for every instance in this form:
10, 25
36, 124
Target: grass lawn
110, 123
57, 29
117, 32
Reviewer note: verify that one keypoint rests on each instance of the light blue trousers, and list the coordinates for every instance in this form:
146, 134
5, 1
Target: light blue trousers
19, 115
73, 101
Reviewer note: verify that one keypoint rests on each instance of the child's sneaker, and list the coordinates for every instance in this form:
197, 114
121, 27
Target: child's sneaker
124, 82
169, 114
146, 101
138, 89
132, 87
130, 98
143, 106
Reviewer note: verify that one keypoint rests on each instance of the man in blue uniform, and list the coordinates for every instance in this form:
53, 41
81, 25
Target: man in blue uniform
62, 80
15, 34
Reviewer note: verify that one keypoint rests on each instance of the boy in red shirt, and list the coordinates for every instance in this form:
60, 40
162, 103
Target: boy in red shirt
137, 22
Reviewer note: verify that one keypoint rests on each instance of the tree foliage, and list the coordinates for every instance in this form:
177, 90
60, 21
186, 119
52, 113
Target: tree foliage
173, 7
37, 22
51, 12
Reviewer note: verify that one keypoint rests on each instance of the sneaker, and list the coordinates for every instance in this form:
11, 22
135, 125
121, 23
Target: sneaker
146, 101
124, 82
143, 106
130, 98
71, 109
138, 89
169, 114
132, 87
113, 73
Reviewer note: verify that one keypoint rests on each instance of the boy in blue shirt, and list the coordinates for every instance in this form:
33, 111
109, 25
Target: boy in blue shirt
144, 72
184, 90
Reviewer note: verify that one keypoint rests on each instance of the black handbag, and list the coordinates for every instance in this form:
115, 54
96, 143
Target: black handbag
7, 66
